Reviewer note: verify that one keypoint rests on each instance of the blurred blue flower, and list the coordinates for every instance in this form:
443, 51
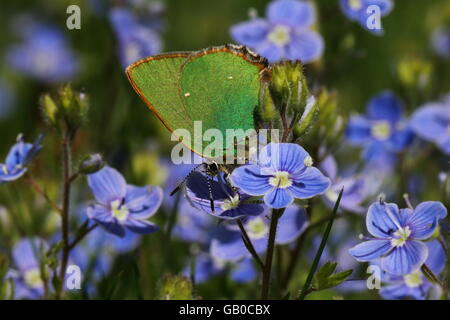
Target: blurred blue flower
228, 203
27, 278
357, 187
120, 206
284, 171
7, 99
397, 235
414, 285
432, 123
205, 268
285, 34
18, 158
244, 271
136, 40
382, 132
227, 244
360, 11
440, 41
44, 54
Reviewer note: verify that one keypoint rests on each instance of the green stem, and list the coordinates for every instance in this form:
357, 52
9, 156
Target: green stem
307, 287
249, 245
276, 214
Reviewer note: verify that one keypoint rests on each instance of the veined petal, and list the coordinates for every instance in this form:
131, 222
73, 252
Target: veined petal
272, 52
140, 226
383, 219
278, 198
291, 13
251, 180
143, 202
423, 220
243, 210
385, 106
306, 46
250, 33
405, 259
288, 157
111, 225
309, 183
370, 250
107, 185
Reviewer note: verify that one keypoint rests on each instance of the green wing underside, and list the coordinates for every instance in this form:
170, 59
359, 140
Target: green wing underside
220, 89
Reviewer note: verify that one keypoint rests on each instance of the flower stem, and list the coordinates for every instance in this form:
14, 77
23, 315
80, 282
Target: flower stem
431, 276
81, 236
44, 194
65, 211
249, 245
276, 214
307, 286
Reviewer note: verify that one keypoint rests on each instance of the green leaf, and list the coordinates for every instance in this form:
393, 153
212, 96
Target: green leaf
325, 278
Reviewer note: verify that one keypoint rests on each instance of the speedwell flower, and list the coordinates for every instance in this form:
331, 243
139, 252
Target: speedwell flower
18, 158
397, 235
432, 123
285, 34
120, 206
283, 172
360, 11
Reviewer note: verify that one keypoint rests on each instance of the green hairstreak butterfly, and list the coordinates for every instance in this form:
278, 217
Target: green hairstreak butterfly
219, 86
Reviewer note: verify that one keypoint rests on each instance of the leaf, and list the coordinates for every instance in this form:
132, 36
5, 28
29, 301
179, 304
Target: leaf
325, 278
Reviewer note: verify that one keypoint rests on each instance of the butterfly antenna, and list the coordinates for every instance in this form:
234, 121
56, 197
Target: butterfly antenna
178, 187
211, 199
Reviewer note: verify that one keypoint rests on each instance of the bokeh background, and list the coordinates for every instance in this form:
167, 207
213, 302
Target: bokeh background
38, 53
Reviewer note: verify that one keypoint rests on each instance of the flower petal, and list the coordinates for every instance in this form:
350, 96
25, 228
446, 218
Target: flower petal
251, 180
291, 13
423, 221
107, 185
370, 250
383, 219
272, 52
358, 130
405, 259
140, 226
143, 202
288, 157
26, 253
291, 224
436, 256
278, 198
227, 245
306, 46
385, 106
431, 121
402, 291
250, 33
309, 183
329, 167
244, 272
243, 210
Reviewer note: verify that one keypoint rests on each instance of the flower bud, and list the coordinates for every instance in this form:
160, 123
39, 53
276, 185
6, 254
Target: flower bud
268, 110
91, 164
176, 288
49, 110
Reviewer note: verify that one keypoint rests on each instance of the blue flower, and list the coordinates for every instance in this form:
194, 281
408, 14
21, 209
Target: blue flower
285, 34
136, 40
360, 11
432, 123
205, 268
120, 206
27, 276
283, 172
228, 203
415, 285
440, 41
383, 132
227, 244
18, 158
398, 235
244, 271
43, 55
7, 99
357, 188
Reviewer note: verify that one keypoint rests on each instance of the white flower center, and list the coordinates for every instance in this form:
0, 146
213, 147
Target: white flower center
33, 278
401, 235
257, 228
414, 279
355, 4
230, 203
381, 130
281, 180
279, 36
120, 212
